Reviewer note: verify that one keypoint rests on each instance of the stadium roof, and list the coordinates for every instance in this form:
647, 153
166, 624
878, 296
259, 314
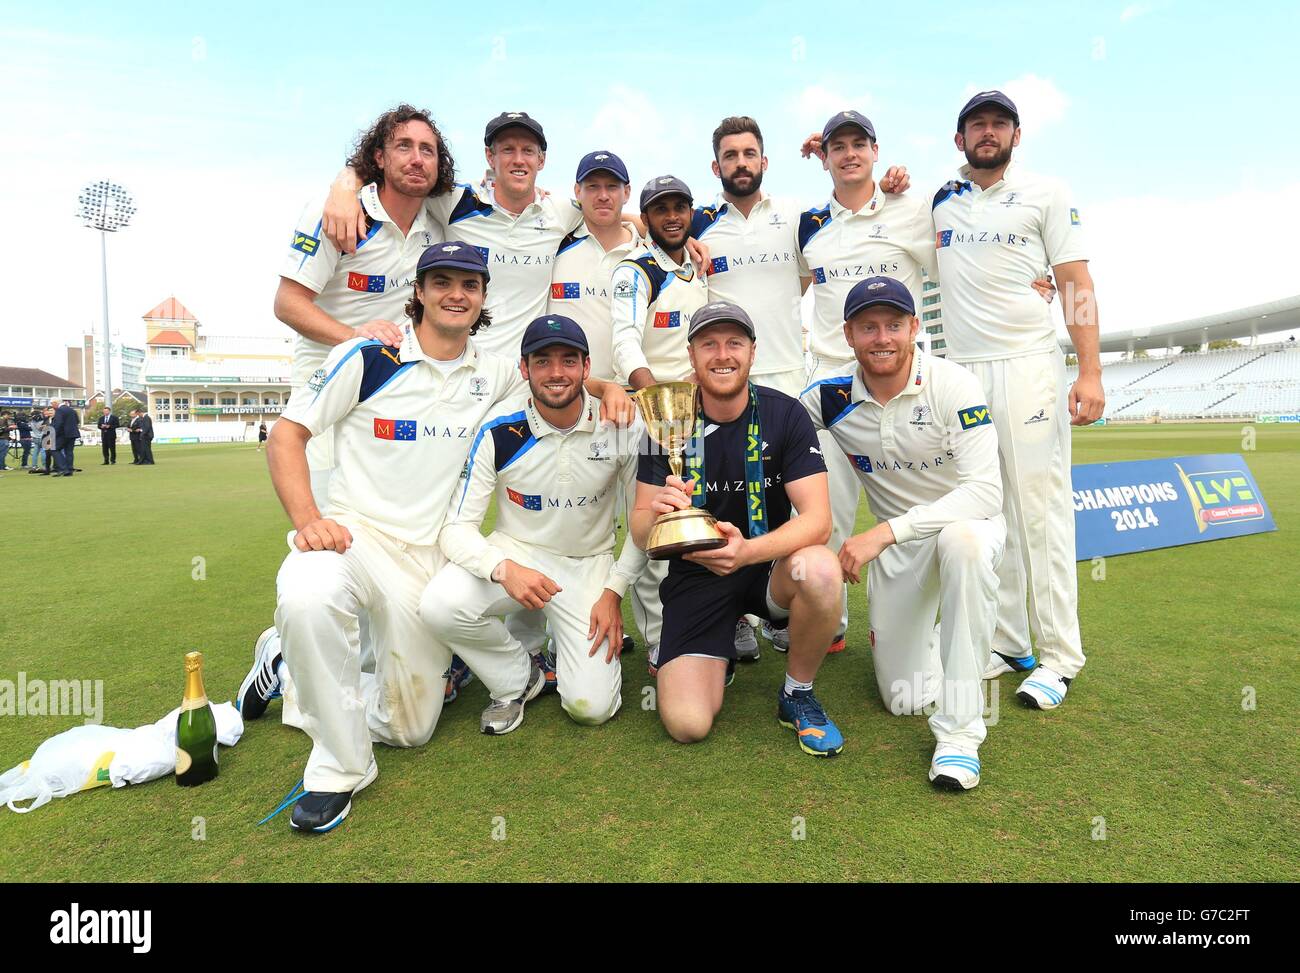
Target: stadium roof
1283, 315
35, 377
169, 338
170, 310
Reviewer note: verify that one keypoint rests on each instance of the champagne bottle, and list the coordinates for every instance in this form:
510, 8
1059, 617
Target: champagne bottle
196, 729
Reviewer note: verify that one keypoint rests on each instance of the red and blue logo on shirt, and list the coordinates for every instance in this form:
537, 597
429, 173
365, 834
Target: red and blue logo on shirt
819, 275
529, 501
942, 239
861, 462
398, 430
718, 265
566, 291
668, 319
371, 283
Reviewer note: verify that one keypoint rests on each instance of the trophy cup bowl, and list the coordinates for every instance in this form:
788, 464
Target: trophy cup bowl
669, 411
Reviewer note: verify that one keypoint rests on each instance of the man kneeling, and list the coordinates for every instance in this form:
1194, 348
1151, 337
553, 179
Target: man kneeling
754, 455
554, 469
921, 440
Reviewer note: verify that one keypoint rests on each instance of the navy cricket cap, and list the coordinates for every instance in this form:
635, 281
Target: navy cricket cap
452, 255
601, 160
720, 312
553, 329
514, 119
879, 290
989, 98
842, 118
662, 186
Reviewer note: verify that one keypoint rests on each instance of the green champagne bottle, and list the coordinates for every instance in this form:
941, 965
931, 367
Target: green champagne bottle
196, 729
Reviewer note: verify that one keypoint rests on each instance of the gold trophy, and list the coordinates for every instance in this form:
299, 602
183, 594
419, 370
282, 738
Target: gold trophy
669, 411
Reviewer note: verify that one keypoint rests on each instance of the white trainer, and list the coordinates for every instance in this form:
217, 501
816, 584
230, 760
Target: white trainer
1000, 664
1044, 689
954, 769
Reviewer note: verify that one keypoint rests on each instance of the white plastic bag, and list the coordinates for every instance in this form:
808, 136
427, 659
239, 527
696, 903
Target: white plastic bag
93, 756
74, 760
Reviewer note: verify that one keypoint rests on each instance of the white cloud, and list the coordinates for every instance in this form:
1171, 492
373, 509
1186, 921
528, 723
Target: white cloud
1158, 259
818, 102
1135, 10
1040, 102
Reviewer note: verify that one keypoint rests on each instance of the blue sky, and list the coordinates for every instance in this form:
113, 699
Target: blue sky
1173, 122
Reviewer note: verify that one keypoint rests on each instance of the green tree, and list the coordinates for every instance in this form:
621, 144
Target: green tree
1222, 343
1189, 349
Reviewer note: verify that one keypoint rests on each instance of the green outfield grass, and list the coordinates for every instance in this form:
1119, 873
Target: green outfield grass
1153, 738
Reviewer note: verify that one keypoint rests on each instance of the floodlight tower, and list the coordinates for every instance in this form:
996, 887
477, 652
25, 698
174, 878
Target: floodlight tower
107, 207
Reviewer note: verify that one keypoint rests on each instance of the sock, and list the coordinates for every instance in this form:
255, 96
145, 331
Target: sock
791, 684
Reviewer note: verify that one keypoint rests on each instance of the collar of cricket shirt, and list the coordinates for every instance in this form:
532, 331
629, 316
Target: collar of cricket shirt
1008, 174
873, 206
586, 418
684, 270
920, 369
412, 352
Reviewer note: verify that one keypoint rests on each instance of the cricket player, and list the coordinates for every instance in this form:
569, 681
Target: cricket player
997, 228
920, 439
328, 296
586, 258
860, 232
755, 454
656, 292
403, 423
554, 472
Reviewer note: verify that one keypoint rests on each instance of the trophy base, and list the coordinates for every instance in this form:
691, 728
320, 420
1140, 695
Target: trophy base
683, 532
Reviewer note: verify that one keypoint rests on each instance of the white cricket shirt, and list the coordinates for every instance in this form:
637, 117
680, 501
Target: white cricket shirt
654, 299
555, 490
891, 236
992, 244
402, 429
754, 263
519, 250
374, 283
580, 289
927, 457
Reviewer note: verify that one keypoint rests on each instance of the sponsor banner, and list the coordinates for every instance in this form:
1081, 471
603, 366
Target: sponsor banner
1278, 417
235, 410
174, 441
8, 401
212, 379
1121, 508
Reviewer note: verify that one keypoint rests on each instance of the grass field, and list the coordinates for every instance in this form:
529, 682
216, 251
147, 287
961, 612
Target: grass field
1153, 738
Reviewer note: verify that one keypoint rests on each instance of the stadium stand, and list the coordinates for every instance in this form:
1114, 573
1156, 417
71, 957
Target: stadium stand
1227, 384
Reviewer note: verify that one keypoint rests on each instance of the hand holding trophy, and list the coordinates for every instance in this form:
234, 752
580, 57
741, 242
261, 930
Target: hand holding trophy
670, 411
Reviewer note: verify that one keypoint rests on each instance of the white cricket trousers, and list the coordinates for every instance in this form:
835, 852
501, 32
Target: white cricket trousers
1028, 399
845, 487
950, 574
466, 612
319, 595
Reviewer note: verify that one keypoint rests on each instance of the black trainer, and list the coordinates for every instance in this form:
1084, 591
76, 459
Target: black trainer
320, 811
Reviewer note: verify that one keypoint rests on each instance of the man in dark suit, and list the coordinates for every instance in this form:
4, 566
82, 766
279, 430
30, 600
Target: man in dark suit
146, 439
133, 429
108, 424
65, 437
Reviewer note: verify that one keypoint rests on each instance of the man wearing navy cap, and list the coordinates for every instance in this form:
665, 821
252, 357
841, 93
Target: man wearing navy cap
753, 459
998, 227
656, 292
586, 258
919, 437
404, 422
555, 474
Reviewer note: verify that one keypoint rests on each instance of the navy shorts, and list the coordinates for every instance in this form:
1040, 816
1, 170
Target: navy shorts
701, 609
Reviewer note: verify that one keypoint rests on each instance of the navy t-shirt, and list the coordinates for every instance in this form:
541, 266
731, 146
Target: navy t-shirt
790, 452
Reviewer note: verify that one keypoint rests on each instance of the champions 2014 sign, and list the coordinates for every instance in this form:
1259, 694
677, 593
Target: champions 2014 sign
1120, 508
